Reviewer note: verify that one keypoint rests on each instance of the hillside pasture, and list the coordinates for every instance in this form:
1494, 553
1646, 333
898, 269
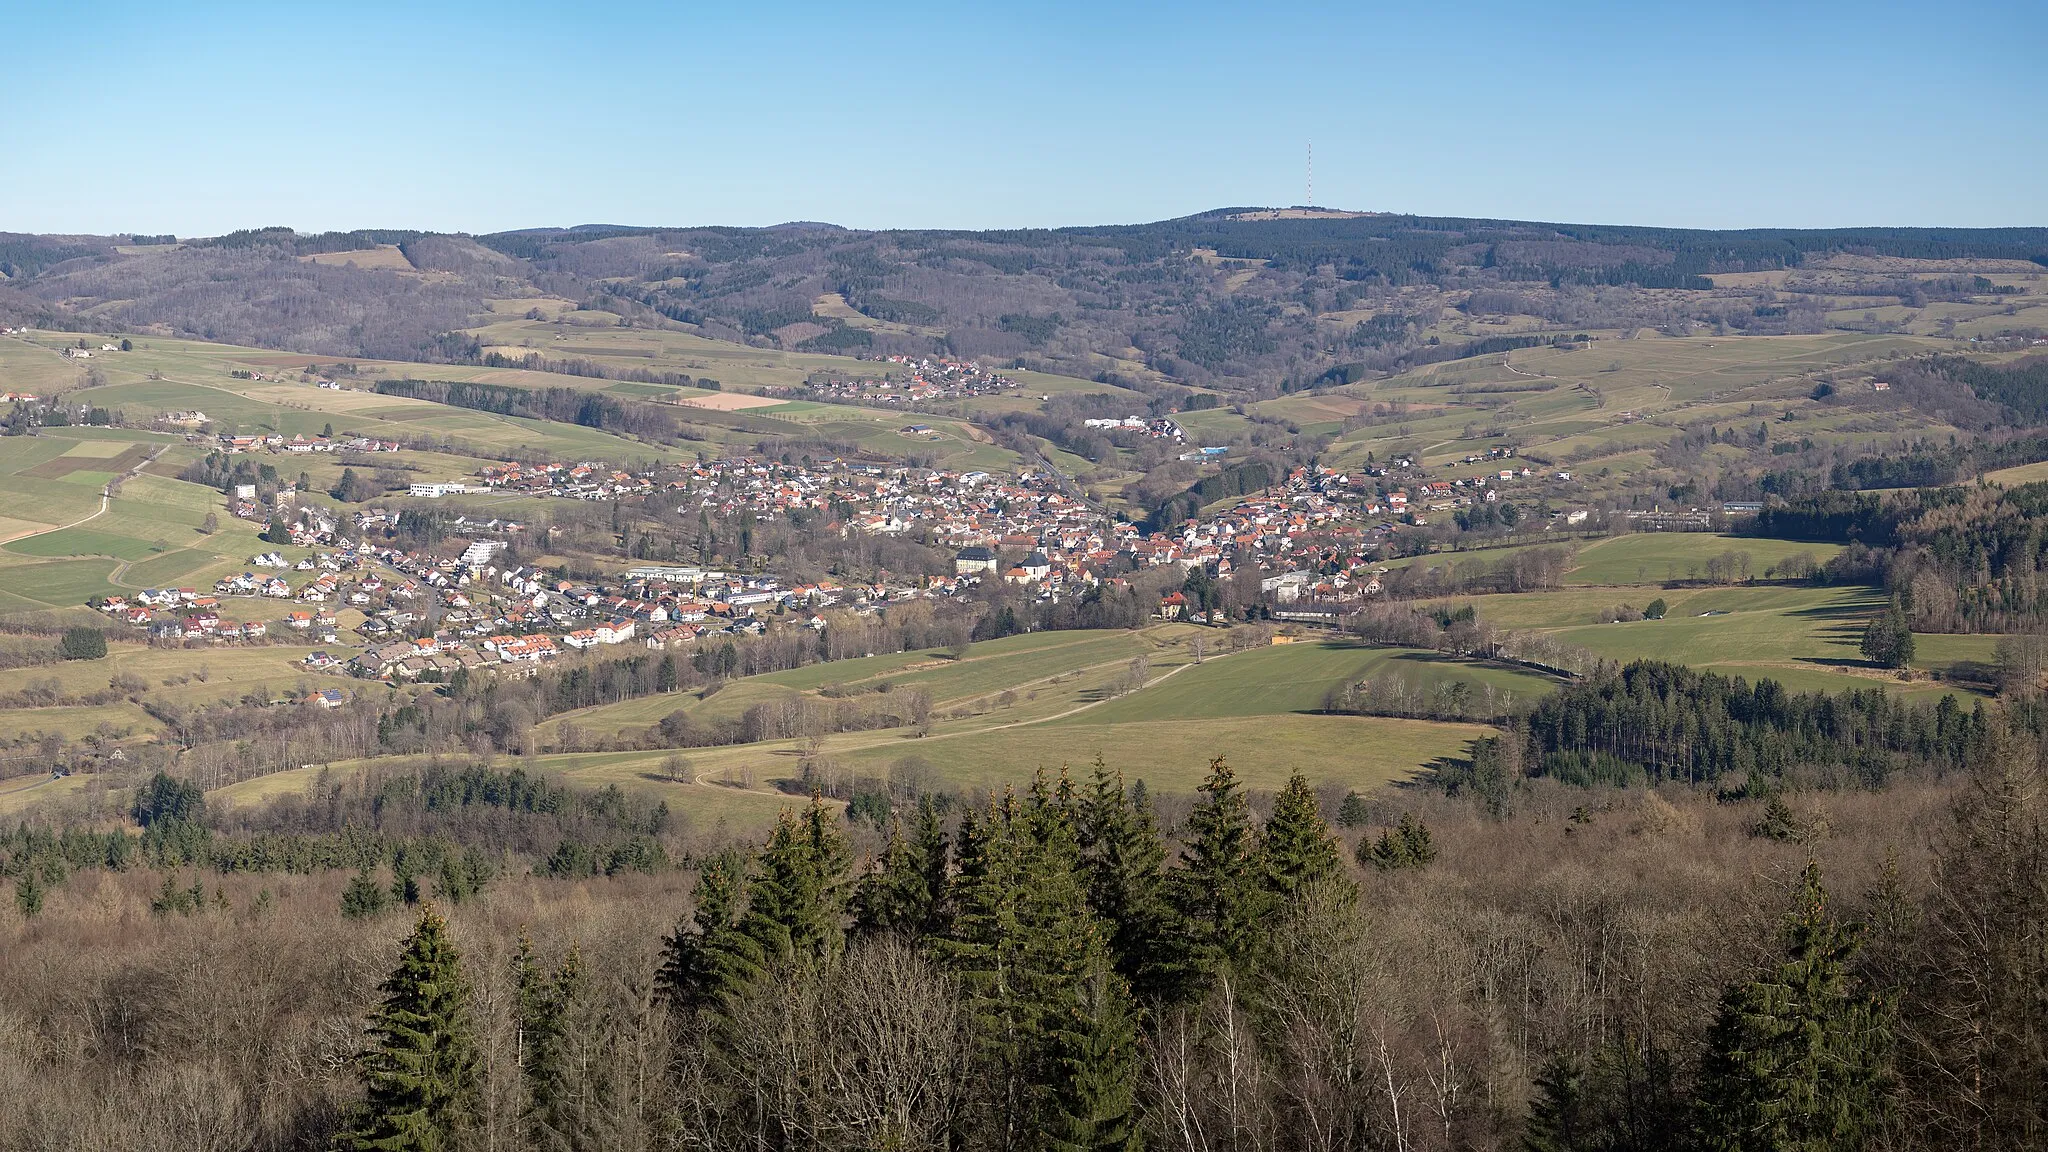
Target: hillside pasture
1014, 705
1803, 636
1652, 557
1291, 679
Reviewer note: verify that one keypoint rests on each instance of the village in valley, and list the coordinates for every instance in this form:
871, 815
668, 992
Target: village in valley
1319, 536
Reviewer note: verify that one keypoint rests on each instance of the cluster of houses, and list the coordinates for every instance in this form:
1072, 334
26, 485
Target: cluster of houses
294, 445
179, 614
925, 379
493, 617
1161, 428
1313, 537
582, 481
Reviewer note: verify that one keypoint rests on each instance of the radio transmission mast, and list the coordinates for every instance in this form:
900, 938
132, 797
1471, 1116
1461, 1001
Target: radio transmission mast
1311, 202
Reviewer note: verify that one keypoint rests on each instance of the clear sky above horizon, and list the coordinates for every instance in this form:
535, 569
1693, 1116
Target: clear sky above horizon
200, 118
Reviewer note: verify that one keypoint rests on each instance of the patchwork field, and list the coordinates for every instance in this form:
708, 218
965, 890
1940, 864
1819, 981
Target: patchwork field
62, 547
164, 375
1293, 678
103, 457
1585, 409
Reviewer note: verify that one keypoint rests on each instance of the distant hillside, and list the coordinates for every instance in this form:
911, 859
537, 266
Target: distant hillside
1258, 300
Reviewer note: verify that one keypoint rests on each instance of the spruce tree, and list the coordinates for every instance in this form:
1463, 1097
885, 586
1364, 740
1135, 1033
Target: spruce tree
930, 848
694, 957
1219, 888
1054, 1024
798, 893
1095, 1098
1124, 858
795, 897
28, 892
1354, 811
1406, 845
905, 891
1798, 1058
540, 1024
363, 898
421, 1075
1299, 848
1558, 1120
1625, 1097
560, 1112
980, 949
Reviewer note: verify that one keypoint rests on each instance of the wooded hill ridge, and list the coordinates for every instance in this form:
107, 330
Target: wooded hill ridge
1218, 299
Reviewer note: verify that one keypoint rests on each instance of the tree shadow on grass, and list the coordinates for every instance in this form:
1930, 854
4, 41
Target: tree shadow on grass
1853, 610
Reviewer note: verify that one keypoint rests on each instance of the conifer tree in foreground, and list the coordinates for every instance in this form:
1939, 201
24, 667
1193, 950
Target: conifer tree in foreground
421, 1076
1125, 860
905, 893
1800, 1057
1054, 1023
799, 889
1299, 848
1220, 886
793, 902
690, 960
561, 1112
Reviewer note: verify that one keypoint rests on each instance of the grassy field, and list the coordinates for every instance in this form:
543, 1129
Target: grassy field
1806, 638
1022, 663
1652, 557
21, 792
148, 535
170, 676
1290, 678
1358, 752
2023, 474
1585, 410
1011, 706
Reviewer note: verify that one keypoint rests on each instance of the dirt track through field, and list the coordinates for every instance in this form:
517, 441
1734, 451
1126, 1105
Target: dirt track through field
148, 454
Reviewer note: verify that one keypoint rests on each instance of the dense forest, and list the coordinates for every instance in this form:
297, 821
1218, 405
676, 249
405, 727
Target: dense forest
1668, 722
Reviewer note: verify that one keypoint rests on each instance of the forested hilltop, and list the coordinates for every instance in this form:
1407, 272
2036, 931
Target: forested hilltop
1233, 297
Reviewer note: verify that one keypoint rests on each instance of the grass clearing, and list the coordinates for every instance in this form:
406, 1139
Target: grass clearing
2023, 474
1651, 557
1803, 636
1360, 752
1291, 678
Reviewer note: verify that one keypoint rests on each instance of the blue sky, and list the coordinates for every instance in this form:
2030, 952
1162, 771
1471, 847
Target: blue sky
198, 118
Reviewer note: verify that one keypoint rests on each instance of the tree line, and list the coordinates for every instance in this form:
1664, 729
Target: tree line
564, 405
1653, 721
1956, 559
